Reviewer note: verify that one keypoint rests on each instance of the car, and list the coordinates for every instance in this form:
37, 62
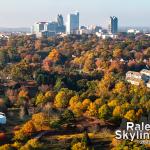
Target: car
2, 118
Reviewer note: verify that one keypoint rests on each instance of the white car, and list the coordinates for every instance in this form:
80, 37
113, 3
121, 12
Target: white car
2, 118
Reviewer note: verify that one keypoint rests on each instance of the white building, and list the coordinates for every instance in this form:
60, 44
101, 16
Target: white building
146, 72
72, 25
2, 118
137, 78
133, 31
106, 36
38, 27
148, 84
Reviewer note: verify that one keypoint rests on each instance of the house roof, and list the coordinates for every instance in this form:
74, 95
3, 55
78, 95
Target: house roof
145, 71
134, 73
134, 79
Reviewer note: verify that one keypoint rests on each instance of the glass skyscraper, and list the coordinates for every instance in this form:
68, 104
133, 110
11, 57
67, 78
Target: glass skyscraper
113, 25
72, 25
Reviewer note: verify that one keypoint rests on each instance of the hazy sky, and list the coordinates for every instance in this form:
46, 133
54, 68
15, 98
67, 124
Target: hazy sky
23, 13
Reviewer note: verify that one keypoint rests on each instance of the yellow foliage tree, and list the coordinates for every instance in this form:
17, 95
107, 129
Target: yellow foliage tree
86, 103
130, 115
28, 127
79, 146
54, 56
39, 121
92, 110
117, 112
113, 103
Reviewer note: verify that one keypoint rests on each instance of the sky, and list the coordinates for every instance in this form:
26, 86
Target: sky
24, 13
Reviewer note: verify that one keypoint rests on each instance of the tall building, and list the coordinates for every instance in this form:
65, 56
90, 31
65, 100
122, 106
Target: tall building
113, 25
51, 26
72, 25
60, 20
38, 27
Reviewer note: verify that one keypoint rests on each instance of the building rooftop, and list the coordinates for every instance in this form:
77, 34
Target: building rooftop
134, 79
134, 73
145, 71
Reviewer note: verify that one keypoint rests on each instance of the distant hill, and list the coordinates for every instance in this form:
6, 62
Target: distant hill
19, 29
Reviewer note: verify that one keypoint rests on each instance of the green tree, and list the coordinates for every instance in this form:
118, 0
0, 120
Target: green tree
104, 112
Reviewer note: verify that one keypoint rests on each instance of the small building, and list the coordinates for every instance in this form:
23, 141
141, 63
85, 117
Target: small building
2, 118
146, 72
133, 74
134, 81
148, 84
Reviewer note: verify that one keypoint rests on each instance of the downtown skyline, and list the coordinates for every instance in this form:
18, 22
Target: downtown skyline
25, 13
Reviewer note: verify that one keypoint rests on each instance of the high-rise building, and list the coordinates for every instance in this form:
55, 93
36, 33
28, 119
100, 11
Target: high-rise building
51, 26
48, 29
39, 27
113, 25
60, 20
72, 25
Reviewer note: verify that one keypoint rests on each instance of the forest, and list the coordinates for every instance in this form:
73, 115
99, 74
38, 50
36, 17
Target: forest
70, 93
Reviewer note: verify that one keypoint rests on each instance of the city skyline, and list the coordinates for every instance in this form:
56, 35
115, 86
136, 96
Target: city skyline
24, 13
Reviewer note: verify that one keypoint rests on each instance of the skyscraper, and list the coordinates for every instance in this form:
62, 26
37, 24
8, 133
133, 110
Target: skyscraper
113, 25
72, 25
60, 20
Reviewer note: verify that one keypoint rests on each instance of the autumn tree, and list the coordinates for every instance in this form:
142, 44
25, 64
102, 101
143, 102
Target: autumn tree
104, 112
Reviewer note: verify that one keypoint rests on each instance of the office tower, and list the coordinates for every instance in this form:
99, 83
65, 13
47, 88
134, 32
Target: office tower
39, 27
113, 25
51, 26
60, 20
72, 25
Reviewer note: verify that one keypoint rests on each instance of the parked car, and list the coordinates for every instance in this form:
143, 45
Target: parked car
2, 118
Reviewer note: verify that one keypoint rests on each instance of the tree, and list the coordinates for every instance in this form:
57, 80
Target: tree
3, 57
67, 116
29, 128
21, 71
92, 110
62, 98
40, 99
117, 53
79, 146
33, 144
117, 112
39, 121
38, 45
104, 112
86, 104
113, 103
120, 90
6, 147
54, 56
74, 100
23, 93
130, 115
104, 86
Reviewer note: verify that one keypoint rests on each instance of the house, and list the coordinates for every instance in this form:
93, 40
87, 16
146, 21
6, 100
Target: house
137, 75
133, 74
148, 84
134, 81
2, 118
146, 73
136, 78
